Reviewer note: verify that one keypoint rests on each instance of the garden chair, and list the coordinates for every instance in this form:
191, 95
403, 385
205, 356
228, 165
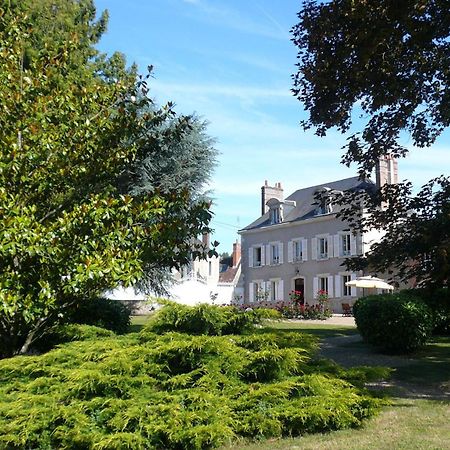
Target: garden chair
346, 310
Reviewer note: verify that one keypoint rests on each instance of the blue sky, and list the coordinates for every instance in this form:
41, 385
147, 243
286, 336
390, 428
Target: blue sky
231, 61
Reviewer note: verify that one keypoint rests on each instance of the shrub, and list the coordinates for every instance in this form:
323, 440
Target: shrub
206, 319
173, 391
101, 312
438, 301
68, 333
396, 323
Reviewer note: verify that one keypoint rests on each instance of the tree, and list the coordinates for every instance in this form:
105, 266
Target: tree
389, 61
70, 229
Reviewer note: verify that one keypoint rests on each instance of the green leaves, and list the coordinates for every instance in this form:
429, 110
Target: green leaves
71, 228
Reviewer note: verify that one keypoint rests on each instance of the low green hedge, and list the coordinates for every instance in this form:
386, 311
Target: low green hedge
207, 319
175, 391
396, 323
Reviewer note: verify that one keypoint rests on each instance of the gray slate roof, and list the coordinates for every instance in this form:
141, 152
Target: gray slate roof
304, 199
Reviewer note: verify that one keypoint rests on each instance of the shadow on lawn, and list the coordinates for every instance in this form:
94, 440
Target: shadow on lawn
424, 374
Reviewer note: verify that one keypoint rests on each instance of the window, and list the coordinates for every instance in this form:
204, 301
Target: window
322, 247
323, 284
274, 290
346, 290
257, 256
345, 244
275, 254
275, 215
209, 268
298, 251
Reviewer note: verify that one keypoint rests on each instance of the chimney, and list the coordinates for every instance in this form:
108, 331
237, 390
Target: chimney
268, 192
206, 240
236, 253
386, 171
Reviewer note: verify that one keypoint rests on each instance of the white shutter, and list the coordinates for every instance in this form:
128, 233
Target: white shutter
353, 288
330, 247
315, 286
330, 287
267, 287
337, 286
290, 251
251, 294
280, 251
263, 255
250, 257
304, 250
280, 295
336, 238
352, 244
314, 249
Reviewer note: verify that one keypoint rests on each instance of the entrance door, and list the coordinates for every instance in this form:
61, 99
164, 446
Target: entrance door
299, 285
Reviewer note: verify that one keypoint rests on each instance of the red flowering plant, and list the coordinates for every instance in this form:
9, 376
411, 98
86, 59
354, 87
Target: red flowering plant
296, 297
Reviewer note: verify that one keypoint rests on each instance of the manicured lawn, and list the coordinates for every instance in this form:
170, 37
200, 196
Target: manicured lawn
137, 323
407, 424
322, 331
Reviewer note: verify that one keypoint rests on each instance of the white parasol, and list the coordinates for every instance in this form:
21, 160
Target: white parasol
369, 282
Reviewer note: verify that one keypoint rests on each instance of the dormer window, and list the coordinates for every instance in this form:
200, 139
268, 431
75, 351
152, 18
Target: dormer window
275, 211
275, 215
324, 201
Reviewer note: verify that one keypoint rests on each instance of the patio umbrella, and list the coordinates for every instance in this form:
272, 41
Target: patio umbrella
369, 282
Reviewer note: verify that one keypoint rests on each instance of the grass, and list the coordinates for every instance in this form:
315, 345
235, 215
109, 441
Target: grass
406, 425
137, 323
430, 365
322, 331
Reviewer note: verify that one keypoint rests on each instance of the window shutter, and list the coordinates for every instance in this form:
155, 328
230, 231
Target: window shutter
353, 289
280, 294
304, 250
280, 252
352, 244
337, 286
315, 286
330, 247
330, 287
291, 251
337, 251
251, 293
263, 255
314, 249
250, 257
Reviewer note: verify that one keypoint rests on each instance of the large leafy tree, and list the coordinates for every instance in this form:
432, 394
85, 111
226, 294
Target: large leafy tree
387, 62
74, 124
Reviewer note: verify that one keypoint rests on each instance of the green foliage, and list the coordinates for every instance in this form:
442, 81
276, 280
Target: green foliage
386, 62
438, 301
396, 323
101, 312
206, 319
389, 59
173, 391
72, 126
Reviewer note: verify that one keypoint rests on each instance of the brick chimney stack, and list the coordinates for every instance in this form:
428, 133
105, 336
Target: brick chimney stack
386, 171
236, 253
206, 238
268, 192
